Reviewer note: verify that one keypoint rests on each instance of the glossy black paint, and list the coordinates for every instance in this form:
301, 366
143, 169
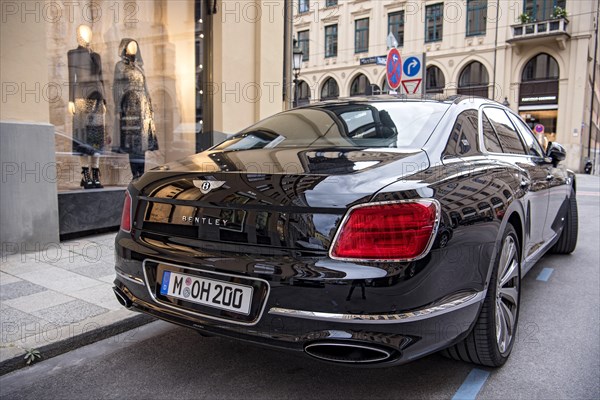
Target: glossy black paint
283, 206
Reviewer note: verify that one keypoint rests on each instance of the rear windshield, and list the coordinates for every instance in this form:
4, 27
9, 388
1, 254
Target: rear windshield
372, 125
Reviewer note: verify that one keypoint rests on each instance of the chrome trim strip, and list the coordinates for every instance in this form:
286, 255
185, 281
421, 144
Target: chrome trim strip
408, 316
183, 310
436, 225
129, 277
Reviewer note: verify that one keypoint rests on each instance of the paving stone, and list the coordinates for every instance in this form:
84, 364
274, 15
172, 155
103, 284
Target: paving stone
16, 325
5, 279
19, 289
101, 295
38, 301
69, 313
95, 270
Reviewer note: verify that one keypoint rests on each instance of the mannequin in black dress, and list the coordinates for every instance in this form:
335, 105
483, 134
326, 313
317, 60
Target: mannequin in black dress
87, 104
135, 118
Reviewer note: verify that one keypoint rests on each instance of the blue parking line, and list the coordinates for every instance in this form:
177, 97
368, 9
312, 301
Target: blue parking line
545, 274
472, 385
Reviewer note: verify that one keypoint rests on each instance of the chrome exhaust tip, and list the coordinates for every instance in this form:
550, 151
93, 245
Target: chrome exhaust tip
348, 353
122, 298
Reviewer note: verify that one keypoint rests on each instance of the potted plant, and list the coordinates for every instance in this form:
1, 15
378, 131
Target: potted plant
525, 18
559, 12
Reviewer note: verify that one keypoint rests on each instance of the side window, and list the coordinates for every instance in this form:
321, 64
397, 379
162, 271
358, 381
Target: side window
509, 138
463, 138
490, 140
533, 146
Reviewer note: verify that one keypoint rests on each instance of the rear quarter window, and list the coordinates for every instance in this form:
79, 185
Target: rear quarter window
463, 140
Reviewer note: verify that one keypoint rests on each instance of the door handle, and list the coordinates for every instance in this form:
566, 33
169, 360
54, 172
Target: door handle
549, 177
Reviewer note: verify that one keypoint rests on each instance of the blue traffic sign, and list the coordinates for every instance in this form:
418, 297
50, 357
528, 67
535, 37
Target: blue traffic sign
411, 66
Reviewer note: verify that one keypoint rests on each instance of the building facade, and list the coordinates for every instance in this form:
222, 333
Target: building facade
538, 56
117, 87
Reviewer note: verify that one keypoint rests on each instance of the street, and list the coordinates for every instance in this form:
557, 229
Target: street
556, 355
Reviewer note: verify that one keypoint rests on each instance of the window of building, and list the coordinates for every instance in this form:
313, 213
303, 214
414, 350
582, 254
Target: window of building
434, 81
476, 17
463, 141
303, 93
331, 3
434, 22
359, 85
474, 80
396, 26
510, 141
330, 89
540, 10
490, 140
303, 43
361, 35
331, 40
303, 6
541, 67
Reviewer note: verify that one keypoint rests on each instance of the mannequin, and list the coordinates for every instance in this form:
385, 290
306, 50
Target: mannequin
87, 105
135, 118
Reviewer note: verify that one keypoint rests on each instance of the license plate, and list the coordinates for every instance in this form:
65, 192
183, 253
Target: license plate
208, 292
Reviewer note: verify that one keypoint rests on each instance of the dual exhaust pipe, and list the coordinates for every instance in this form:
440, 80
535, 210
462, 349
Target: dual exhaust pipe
122, 298
338, 352
350, 353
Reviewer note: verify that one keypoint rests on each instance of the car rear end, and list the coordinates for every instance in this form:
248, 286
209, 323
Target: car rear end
295, 246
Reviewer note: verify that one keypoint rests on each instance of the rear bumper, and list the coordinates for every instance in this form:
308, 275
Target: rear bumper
410, 314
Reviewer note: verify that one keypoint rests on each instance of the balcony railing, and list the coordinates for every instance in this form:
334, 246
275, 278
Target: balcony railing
540, 28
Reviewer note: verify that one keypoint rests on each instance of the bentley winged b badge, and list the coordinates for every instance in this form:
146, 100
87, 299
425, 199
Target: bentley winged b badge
207, 186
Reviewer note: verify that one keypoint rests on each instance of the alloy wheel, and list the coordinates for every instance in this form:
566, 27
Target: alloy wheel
507, 294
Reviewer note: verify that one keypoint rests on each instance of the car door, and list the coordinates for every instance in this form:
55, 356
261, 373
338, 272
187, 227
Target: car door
555, 179
532, 176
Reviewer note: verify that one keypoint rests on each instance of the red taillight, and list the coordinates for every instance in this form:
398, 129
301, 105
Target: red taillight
386, 231
126, 215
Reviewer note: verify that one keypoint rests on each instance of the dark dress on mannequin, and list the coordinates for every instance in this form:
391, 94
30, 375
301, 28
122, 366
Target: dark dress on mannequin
86, 91
133, 109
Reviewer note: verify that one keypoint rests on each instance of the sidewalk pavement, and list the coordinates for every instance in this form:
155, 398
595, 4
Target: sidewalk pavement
59, 297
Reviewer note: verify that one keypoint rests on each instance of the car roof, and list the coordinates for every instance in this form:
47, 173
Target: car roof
475, 101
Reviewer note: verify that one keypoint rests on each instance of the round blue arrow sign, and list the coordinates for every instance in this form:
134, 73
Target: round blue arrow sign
411, 66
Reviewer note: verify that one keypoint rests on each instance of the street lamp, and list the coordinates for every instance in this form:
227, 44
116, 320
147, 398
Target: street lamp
296, 66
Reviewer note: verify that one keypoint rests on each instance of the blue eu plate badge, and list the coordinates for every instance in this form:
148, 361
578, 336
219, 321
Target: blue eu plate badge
164, 288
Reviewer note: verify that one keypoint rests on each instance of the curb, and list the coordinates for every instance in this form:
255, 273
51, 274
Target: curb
72, 343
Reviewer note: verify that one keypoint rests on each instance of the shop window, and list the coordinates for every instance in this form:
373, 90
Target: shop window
476, 17
474, 80
359, 85
361, 35
434, 81
396, 26
330, 90
547, 119
331, 41
434, 22
127, 105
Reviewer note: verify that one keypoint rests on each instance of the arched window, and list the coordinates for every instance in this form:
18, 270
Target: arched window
359, 85
385, 88
330, 89
540, 68
303, 93
435, 80
474, 80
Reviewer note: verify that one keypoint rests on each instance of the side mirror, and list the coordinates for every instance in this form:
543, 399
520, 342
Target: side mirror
556, 152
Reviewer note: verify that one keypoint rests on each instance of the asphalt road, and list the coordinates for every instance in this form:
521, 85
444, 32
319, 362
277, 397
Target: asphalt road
557, 354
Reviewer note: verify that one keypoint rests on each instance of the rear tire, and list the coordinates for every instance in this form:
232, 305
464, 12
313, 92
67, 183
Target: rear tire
568, 237
492, 338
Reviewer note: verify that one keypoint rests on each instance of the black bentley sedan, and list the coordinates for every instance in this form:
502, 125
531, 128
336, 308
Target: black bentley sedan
368, 231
